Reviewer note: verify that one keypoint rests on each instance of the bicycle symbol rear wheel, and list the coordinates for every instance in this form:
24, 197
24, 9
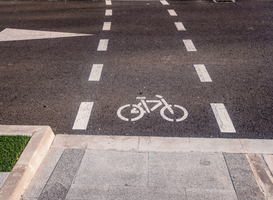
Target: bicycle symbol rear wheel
185, 113
131, 111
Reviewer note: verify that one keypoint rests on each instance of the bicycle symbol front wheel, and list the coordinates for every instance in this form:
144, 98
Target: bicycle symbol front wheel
127, 112
184, 116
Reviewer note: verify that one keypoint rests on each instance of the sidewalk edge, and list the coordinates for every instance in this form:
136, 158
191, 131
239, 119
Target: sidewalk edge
29, 161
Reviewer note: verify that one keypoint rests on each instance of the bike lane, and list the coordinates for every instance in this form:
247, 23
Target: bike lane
147, 55
141, 49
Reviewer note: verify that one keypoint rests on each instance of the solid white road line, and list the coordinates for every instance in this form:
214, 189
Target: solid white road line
108, 12
189, 45
106, 26
95, 72
222, 118
202, 73
108, 2
179, 26
103, 44
172, 12
83, 116
165, 3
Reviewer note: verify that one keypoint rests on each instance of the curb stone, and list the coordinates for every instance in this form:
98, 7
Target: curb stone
29, 161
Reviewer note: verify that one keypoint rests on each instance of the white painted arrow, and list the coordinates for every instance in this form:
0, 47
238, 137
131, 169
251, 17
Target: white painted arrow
10, 34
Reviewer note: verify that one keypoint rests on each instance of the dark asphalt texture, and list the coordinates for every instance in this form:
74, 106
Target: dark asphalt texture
43, 82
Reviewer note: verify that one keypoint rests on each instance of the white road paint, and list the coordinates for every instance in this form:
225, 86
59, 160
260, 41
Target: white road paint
108, 12
10, 34
179, 26
222, 118
165, 3
83, 116
95, 72
108, 2
172, 12
106, 26
103, 44
189, 45
202, 73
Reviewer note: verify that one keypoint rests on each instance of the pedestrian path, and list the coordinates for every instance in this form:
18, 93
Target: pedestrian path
119, 167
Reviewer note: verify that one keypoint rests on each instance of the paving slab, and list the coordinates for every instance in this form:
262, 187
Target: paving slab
197, 194
151, 193
86, 192
242, 177
189, 170
63, 175
113, 168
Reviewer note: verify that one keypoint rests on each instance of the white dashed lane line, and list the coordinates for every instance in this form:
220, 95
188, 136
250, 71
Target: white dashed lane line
103, 45
108, 12
202, 73
165, 3
189, 45
106, 26
95, 72
179, 26
108, 2
224, 122
83, 116
172, 13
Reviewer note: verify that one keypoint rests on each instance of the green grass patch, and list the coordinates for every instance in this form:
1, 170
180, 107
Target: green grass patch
11, 147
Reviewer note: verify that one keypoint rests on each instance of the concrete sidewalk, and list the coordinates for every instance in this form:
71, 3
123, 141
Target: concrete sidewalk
121, 167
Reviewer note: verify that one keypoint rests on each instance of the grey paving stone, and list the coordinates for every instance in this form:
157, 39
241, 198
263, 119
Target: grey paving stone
189, 170
82, 191
197, 194
63, 175
113, 168
145, 193
3, 177
43, 173
57, 191
242, 177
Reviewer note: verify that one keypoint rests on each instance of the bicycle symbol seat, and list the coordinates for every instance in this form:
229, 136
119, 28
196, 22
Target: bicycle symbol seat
136, 111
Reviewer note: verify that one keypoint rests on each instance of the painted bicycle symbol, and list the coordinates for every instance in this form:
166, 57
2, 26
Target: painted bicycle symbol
136, 111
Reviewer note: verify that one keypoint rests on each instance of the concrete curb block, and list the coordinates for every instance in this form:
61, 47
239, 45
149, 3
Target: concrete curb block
29, 161
163, 144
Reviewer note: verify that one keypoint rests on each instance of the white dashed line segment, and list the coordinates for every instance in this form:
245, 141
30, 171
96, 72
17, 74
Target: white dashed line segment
165, 3
106, 26
108, 12
179, 26
83, 116
103, 44
202, 73
222, 118
172, 12
189, 45
95, 72
108, 2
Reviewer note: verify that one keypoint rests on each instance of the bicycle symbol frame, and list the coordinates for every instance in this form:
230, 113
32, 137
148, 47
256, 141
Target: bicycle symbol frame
137, 109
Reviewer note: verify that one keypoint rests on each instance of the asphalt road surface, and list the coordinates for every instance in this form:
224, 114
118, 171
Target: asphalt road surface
144, 68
